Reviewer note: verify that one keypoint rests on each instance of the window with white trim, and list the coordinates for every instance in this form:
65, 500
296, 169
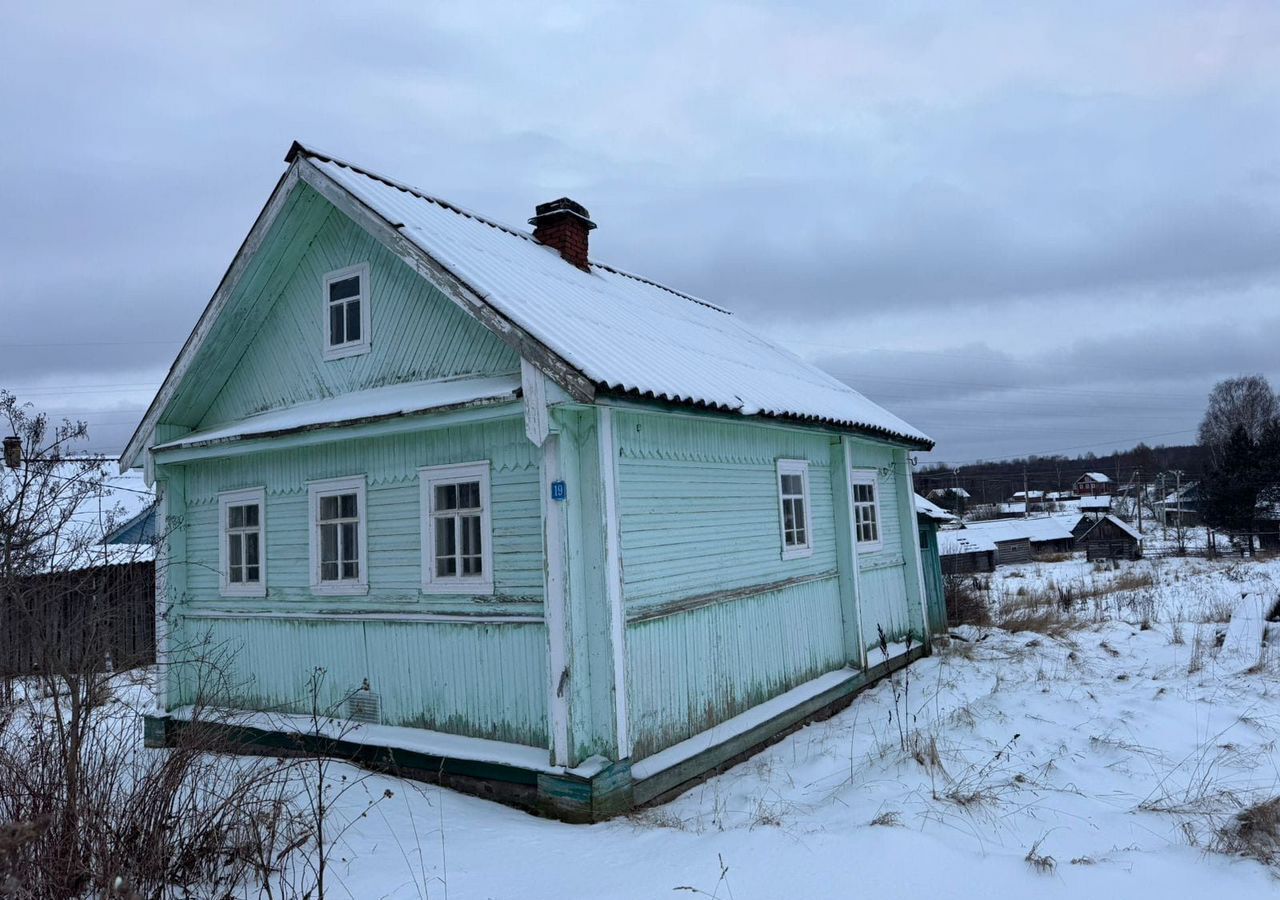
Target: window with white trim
793, 503
457, 535
866, 509
346, 320
242, 544
339, 555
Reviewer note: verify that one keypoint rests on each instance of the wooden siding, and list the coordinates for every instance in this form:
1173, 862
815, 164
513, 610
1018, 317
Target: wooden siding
718, 621
698, 504
484, 681
484, 678
689, 671
269, 352
390, 464
883, 595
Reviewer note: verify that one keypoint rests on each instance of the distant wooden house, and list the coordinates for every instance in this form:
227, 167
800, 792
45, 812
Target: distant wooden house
1091, 484
964, 553
1042, 535
1180, 507
1111, 538
955, 500
1095, 506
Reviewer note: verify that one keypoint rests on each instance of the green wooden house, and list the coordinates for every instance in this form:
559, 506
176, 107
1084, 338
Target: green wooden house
554, 531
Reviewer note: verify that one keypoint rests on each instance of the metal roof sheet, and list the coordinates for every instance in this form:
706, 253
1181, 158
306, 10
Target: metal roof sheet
359, 406
1041, 528
621, 331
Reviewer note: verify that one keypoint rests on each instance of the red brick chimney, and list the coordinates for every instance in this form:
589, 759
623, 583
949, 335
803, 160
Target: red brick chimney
564, 225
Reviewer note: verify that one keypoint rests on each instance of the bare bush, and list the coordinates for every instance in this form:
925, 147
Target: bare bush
85, 809
1253, 832
967, 600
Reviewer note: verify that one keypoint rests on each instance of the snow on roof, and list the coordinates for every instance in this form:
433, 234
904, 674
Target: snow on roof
621, 331
1095, 476
105, 501
954, 541
1041, 528
932, 510
359, 406
1119, 523
1102, 501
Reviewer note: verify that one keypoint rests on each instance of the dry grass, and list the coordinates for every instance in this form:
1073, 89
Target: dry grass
968, 600
1035, 611
888, 819
1041, 863
1253, 832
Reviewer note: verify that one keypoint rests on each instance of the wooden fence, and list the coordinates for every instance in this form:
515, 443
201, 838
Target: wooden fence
89, 619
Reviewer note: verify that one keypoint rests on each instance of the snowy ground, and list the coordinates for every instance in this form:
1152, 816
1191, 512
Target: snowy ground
1097, 755
1112, 748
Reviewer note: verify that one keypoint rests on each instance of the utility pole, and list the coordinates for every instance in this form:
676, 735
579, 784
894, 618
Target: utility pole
1026, 496
1178, 474
1164, 510
1138, 475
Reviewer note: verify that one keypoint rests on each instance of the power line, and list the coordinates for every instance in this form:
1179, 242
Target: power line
1016, 456
24, 344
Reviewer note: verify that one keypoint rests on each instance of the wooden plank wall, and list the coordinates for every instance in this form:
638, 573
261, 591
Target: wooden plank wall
86, 620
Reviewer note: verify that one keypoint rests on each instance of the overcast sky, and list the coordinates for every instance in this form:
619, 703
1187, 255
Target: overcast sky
1048, 227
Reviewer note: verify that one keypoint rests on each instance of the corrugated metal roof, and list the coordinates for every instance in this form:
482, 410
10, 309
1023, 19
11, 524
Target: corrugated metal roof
621, 331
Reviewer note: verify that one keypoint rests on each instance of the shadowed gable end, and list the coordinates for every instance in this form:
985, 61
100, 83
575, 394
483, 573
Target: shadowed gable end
267, 350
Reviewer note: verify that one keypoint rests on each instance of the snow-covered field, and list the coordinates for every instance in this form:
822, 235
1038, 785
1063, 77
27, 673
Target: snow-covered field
1098, 755
1109, 753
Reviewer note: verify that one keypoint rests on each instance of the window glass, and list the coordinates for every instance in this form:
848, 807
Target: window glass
457, 523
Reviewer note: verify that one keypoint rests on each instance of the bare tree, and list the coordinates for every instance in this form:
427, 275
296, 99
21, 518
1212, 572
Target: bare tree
85, 809
1247, 402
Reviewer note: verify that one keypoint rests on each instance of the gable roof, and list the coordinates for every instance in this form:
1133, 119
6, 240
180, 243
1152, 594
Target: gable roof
1119, 523
932, 511
622, 333
1094, 476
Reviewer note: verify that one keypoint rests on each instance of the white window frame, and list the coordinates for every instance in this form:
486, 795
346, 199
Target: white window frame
428, 478
795, 467
867, 477
349, 348
226, 500
315, 490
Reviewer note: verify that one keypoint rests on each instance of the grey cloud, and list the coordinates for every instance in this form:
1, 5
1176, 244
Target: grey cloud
825, 166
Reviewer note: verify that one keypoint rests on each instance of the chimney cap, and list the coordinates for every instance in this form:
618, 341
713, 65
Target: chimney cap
553, 209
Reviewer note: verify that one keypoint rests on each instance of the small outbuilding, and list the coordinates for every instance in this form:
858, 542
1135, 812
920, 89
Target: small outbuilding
1111, 538
1013, 550
963, 552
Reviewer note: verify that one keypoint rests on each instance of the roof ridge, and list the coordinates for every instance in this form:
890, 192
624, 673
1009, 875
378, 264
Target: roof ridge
298, 148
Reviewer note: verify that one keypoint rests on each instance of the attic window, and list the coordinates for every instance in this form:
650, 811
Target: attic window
346, 321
